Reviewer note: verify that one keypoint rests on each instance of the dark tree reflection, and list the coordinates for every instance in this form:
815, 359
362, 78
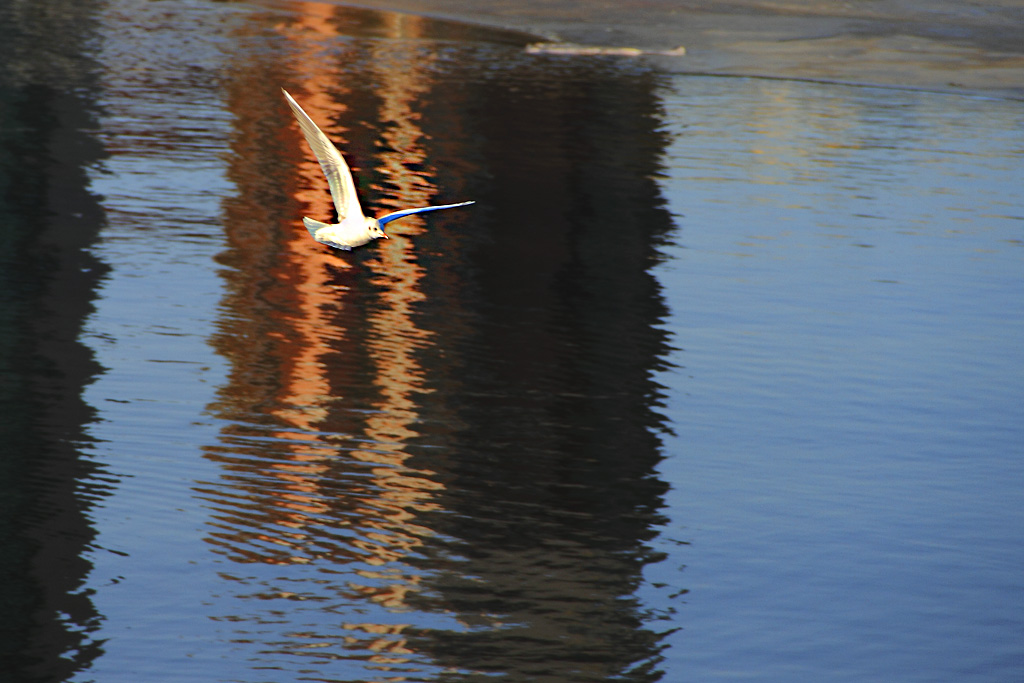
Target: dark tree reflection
48, 219
551, 493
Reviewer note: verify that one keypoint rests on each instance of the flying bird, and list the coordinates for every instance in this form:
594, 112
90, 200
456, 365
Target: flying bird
353, 229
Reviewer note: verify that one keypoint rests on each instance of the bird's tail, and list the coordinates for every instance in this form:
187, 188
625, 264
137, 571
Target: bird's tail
313, 226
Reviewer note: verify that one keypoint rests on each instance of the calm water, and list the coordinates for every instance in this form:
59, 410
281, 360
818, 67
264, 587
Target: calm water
719, 379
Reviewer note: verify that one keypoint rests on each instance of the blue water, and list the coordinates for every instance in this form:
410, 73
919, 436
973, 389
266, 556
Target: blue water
720, 378
847, 467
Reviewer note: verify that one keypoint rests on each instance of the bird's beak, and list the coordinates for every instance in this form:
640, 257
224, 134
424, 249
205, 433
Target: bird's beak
385, 235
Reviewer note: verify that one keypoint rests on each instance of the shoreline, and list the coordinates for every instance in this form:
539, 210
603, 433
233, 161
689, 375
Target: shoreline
969, 48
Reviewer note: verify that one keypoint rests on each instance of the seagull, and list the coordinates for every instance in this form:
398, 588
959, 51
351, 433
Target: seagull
353, 229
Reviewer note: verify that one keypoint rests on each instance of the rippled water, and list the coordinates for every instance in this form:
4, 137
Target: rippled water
719, 378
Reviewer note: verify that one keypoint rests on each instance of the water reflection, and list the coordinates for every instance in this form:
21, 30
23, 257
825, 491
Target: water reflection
48, 219
454, 431
439, 458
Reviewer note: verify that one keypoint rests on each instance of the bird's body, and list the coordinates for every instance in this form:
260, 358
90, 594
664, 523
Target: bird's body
353, 229
353, 232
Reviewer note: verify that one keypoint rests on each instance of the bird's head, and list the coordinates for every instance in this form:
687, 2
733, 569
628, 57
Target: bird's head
376, 231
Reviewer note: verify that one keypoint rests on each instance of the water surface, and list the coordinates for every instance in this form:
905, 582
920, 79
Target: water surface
719, 378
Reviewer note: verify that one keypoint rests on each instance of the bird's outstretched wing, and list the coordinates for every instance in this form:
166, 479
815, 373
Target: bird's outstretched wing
339, 178
383, 220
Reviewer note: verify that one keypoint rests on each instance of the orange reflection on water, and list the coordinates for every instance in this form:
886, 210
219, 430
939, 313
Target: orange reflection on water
318, 462
387, 649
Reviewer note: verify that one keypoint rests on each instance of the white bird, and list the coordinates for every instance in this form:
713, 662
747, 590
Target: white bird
353, 229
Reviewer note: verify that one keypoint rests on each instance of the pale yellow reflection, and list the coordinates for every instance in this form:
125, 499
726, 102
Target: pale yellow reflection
401, 79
